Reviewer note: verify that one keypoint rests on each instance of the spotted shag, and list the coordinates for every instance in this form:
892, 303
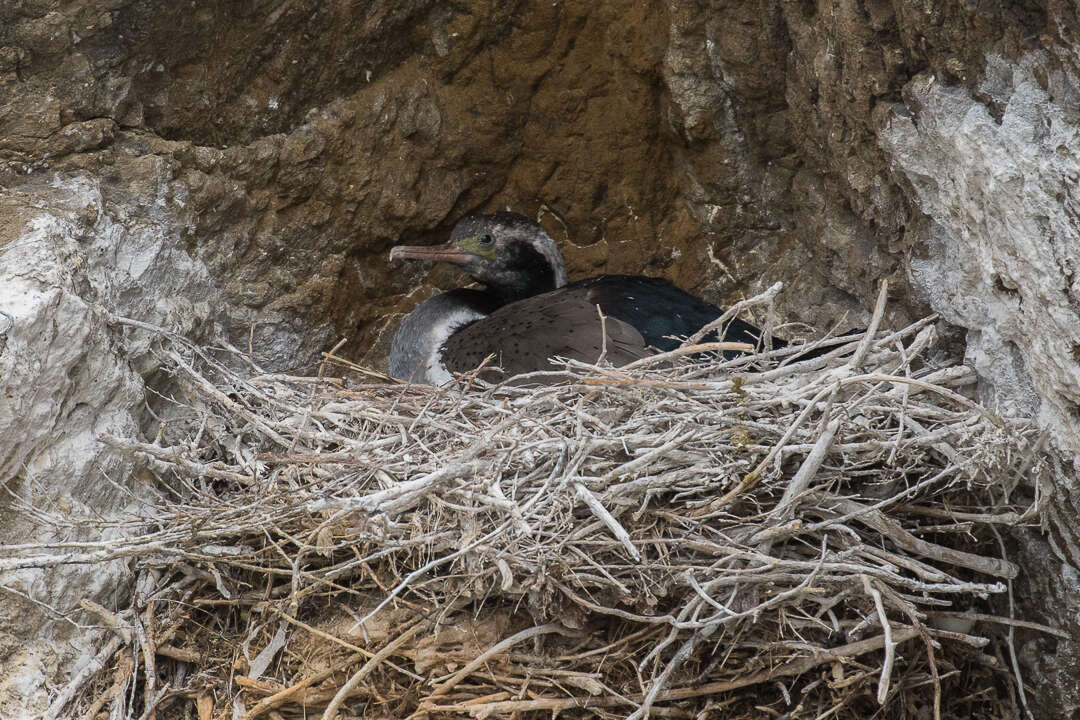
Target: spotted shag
527, 314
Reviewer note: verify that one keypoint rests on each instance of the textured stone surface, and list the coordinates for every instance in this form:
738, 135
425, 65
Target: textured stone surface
239, 170
72, 253
1002, 247
996, 176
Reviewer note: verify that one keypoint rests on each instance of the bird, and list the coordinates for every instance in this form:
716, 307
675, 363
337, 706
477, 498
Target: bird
527, 313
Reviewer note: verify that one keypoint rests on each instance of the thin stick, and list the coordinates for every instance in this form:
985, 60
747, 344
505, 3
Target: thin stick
879, 312
890, 648
893, 530
1013, 622
807, 470
795, 667
734, 310
603, 337
472, 665
391, 647
608, 519
725, 346
76, 683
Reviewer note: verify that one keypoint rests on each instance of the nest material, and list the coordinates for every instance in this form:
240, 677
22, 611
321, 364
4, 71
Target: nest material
684, 537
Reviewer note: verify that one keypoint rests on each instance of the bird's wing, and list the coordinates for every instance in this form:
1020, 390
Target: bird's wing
524, 335
661, 311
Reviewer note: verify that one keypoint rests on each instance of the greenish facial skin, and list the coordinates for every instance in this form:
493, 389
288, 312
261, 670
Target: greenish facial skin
480, 245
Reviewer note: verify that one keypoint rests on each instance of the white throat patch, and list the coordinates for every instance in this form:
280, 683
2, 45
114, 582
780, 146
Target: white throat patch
441, 330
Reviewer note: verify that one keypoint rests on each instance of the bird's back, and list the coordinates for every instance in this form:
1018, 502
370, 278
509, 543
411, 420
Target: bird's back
660, 311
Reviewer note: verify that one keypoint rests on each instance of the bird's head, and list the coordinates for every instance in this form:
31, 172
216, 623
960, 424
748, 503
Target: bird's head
512, 255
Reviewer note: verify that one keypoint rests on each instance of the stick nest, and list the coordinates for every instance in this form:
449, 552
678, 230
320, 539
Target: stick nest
686, 537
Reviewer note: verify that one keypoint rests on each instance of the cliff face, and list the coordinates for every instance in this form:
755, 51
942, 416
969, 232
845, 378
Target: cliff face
238, 171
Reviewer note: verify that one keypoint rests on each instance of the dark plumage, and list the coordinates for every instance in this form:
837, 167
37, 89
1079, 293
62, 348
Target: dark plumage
525, 334
660, 311
525, 315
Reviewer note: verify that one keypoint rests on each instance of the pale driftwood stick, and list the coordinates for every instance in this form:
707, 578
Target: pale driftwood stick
892, 337
115, 621
641, 461
278, 379
886, 627
44, 561
999, 620
603, 337
390, 648
893, 530
170, 459
512, 507
879, 312
688, 350
806, 471
734, 310
921, 569
706, 597
944, 392
922, 340
856, 447
75, 685
593, 376
92, 545
794, 667
953, 375
971, 640
901, 415
608, 519
765, 537
394, 499
799, 483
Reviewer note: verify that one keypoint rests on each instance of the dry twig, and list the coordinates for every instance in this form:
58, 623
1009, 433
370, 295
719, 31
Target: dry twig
639, 541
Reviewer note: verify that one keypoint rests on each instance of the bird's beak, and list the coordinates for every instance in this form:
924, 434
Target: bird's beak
432, 253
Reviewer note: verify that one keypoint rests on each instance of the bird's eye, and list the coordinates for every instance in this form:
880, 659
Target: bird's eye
486, 239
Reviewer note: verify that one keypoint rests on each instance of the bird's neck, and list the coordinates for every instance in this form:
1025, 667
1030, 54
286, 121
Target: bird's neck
528, 273
519, 290
415, 353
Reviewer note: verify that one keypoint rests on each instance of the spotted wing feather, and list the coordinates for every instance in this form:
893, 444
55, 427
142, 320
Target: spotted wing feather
524, 335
